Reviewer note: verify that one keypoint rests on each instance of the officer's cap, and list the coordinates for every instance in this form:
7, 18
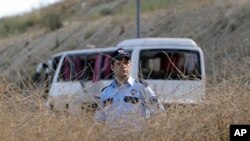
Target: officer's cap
121, 53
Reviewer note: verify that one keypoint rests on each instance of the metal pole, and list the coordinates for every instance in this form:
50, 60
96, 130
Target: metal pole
138, 26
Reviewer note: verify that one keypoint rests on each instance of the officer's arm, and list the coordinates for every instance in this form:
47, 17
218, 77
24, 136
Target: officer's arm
153, 103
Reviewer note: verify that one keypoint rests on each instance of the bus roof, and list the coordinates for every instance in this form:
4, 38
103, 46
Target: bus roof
180, 42
90, 50
138, 42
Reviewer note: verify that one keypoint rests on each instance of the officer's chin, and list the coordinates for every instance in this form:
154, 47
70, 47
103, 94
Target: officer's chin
125, 74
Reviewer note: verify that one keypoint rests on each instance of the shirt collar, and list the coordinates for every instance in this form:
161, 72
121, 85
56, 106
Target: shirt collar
130, 81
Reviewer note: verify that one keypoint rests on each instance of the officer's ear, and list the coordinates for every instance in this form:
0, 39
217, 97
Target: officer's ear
112, 66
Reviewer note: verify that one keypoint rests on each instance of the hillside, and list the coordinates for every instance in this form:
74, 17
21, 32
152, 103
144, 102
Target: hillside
220, 27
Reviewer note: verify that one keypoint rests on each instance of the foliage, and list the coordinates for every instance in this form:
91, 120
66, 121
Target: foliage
51, 20
89, 33
48, 19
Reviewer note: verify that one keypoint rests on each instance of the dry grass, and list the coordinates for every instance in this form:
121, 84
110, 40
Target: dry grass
24, 116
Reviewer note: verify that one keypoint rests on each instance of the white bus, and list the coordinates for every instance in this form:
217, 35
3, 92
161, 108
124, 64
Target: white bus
173, 67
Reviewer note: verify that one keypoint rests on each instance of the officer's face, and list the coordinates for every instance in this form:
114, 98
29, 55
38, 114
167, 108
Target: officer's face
121, 67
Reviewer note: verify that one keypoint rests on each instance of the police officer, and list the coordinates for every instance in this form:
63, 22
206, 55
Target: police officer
126, 101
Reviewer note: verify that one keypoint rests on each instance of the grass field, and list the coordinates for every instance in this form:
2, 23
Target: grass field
24, 116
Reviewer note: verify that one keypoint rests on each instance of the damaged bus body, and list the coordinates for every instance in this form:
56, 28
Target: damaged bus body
76, 85
173, 67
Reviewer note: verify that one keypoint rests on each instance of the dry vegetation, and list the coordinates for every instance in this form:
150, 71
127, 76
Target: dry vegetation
224, 39
24, 116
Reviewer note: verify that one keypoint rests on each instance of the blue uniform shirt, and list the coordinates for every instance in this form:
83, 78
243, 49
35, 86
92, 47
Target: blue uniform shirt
126, 105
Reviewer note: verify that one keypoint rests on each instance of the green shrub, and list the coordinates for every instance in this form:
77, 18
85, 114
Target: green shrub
51, 21
152, 5
89, 33
146, 6
106, 11
15, 25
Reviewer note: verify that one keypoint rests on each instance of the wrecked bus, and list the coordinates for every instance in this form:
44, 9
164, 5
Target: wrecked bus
173, 67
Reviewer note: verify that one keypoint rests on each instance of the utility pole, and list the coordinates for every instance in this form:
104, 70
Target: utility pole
138, 24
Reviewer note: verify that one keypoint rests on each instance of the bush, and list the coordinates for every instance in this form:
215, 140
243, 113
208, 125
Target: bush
51, 21
89, 33
105, 11
15, 25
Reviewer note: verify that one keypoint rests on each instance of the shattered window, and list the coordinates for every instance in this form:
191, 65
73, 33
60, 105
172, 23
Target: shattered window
169, 64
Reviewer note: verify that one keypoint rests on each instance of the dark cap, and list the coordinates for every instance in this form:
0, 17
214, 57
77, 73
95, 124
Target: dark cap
121, 53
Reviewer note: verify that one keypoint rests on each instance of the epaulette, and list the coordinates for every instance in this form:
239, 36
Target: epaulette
143, 82
105, 87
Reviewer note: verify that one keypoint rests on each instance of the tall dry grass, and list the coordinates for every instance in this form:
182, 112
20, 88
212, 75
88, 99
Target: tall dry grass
24, 117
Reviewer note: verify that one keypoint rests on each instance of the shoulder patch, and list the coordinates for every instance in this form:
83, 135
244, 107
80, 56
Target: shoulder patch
143, 82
